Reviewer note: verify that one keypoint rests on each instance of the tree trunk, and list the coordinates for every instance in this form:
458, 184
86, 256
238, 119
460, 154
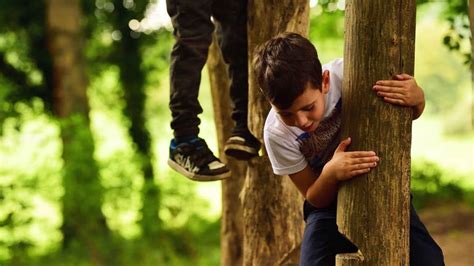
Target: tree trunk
231, 223
132, 78
273, 219
373, 209
82, 200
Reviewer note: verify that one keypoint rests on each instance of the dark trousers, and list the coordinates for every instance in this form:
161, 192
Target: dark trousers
322, 241
193, 30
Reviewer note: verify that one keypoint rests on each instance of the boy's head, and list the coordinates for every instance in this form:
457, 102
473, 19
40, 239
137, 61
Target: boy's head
285, 66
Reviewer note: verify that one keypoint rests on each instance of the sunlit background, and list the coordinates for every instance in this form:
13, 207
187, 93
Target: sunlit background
31, 162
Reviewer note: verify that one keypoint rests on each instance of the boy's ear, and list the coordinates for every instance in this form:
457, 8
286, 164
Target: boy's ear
325, 83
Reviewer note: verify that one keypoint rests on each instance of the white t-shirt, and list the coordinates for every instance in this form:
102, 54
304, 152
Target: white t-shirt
281, 140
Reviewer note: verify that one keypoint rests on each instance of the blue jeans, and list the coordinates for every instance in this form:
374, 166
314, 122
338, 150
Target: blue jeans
322, 241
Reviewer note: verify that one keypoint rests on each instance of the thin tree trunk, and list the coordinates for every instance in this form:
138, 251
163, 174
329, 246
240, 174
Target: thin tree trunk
132, 78
273, 219
231, 223
82, 200
373, 209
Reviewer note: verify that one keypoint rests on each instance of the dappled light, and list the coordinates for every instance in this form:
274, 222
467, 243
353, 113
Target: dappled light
146, 213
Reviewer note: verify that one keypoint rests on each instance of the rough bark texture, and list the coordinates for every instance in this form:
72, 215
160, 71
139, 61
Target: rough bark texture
273, 219
373, 209
231, 224
82, 200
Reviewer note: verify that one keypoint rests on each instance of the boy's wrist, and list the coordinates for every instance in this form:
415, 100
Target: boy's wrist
328, 175
419, 102
418, 109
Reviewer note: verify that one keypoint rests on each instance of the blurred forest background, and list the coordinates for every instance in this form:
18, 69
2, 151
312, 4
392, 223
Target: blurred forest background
74, 194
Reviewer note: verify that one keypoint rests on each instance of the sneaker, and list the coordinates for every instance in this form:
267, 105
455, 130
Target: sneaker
194, 160
242, 147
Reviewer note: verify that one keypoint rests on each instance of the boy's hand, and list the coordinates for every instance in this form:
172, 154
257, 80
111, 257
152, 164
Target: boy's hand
402, 91
345, 165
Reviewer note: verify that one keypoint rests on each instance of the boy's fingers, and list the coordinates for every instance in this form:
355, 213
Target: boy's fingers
386, 88
362, 166
391, 83
360, 160
390, 95
393, 100
358, 154
343, 145
360, 171
403, 76
396, 82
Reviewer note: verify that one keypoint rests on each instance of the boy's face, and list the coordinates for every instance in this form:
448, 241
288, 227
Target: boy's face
307, 110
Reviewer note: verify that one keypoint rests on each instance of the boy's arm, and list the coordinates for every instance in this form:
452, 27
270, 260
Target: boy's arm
402, 91
321, 191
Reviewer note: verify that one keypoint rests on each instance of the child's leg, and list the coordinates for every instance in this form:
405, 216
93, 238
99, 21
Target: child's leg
423, 248
193, 29
321, 242
231, 16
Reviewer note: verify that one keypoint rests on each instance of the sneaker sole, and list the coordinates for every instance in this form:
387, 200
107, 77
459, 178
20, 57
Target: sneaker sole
178, 168
240, 152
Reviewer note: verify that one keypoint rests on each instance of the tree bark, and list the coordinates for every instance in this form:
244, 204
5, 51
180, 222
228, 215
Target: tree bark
373, 209
82, 200
231, 223
272, 206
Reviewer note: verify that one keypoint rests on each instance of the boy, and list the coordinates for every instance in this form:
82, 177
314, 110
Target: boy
301, 136
193, 28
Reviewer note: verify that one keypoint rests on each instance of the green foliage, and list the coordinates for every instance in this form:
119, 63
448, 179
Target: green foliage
432, 185
326, 26
31, 166
30, 185
327, 33
31, 197
441, 73
125, 50
459, 31
23, 60
156, 57
82, 199
457, 37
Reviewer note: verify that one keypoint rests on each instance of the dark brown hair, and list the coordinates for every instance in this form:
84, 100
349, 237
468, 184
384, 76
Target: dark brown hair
283, 67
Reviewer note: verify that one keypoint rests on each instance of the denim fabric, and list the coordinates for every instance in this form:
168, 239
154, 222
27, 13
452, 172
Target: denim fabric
423, 249
322, 241
193, 29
